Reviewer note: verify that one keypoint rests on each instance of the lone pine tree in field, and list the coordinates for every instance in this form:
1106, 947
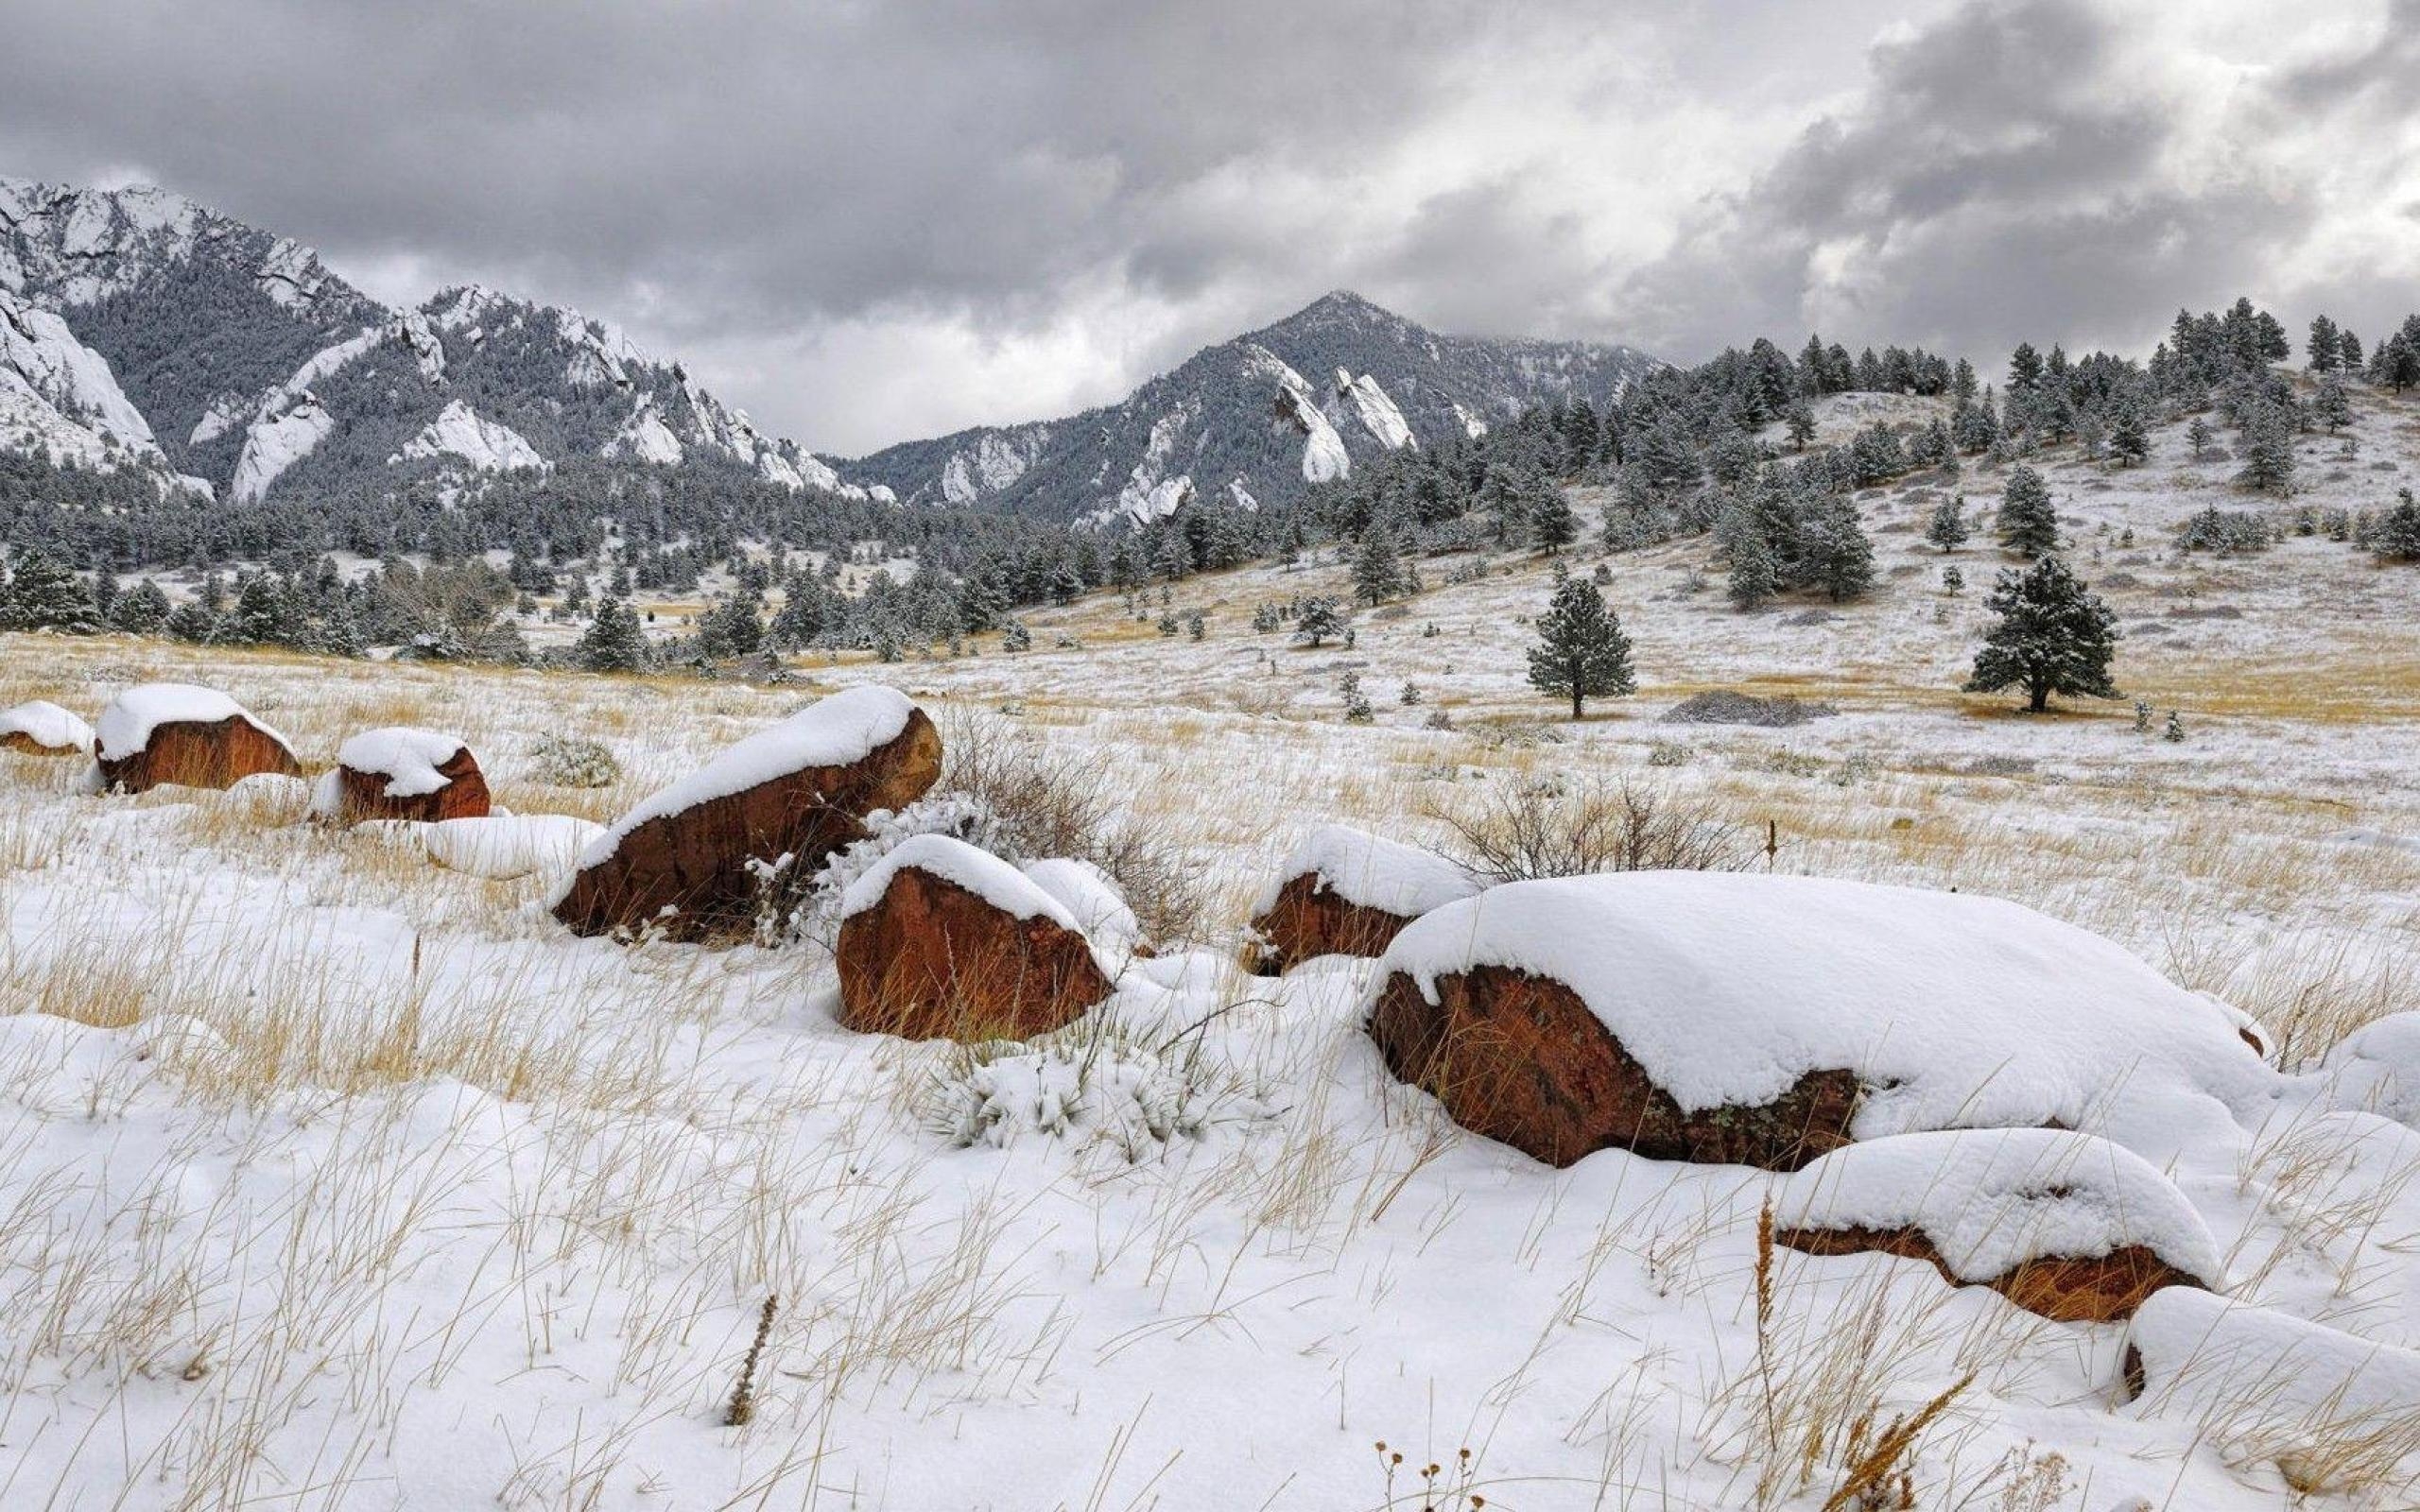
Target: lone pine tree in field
1319, 621
2054, 637
1581, 652
2029, 525
1947, 527
615, 642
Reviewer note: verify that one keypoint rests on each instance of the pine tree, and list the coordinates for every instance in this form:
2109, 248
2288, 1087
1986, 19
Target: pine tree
140, 610
614, 642
1377, 572
2333, 405
2324, 348
1947, 527
1552, 524
2396, 536
1840, 556
2199, 435
2029, 525
1801, 425
1016, 637
1581, 653
43, 595
1753, 580
2054, 637
2269, 451
2130, 438
1320, 620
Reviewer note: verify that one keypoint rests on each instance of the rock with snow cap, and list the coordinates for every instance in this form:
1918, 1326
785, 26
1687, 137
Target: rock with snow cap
941, 941
402, 773
1345, 892
688, 861
2065, 1225
39, 729
1768, 1021
171, 733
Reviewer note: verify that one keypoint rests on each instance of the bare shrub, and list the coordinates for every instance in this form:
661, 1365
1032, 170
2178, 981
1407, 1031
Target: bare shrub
1546, 829
1058, 803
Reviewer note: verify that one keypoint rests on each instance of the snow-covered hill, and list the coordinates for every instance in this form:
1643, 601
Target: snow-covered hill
1256, 417
144, 328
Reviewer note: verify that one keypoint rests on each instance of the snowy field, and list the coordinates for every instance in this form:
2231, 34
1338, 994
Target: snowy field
334, 1177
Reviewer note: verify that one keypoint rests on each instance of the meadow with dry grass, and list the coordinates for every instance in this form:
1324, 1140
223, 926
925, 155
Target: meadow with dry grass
330, 1177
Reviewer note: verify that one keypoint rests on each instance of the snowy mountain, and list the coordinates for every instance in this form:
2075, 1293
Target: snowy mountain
1256, 417
139, 330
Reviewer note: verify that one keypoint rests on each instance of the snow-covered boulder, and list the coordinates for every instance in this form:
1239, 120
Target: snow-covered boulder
1345, 892
941, 941
1766, 1020
400, 773
39, 729
2376, 1069
2267, 1387
164, 732
2065, 1225
690, 860
500, 847
1098, 904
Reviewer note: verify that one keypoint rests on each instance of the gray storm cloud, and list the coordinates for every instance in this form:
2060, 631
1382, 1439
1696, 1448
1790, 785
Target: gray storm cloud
867, 221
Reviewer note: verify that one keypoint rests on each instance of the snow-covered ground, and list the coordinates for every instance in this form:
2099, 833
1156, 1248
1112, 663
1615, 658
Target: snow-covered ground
334, 1177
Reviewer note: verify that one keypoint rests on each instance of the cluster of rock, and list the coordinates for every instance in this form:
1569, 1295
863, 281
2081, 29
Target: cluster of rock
1943, 1074
939, 939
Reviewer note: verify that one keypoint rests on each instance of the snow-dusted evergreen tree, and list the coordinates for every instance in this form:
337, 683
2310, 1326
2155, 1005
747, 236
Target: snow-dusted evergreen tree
142, 610
614, 642
2324, 348
2198, 435
1753, 580
2268, 451
1552, 525
1946, 528
1016, 637
2054, 638
1377, 569
1800, 423
1839, 557
2333, 405
1581, 652
2029, 525
1319, 620
43, 593
2130, 435
2396, 536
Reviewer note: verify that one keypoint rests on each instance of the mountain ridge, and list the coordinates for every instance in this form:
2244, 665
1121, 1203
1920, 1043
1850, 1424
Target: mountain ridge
140, 329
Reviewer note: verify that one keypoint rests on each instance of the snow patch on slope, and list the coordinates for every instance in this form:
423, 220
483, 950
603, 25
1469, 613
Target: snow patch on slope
272, 445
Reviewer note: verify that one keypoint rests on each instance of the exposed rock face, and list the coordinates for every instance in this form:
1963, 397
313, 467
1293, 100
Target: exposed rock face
1311, 919
934, 960
194, 753
686, 870
1345, 892
1520, 1058
364, 795
2067, 1288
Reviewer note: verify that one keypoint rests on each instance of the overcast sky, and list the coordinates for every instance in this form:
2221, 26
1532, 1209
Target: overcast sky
875, 219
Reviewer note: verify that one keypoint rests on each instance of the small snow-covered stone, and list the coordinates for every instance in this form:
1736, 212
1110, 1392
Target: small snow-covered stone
1346, 892
502, 847
402, 773
2266, 1385
39, 729
2065, 1225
